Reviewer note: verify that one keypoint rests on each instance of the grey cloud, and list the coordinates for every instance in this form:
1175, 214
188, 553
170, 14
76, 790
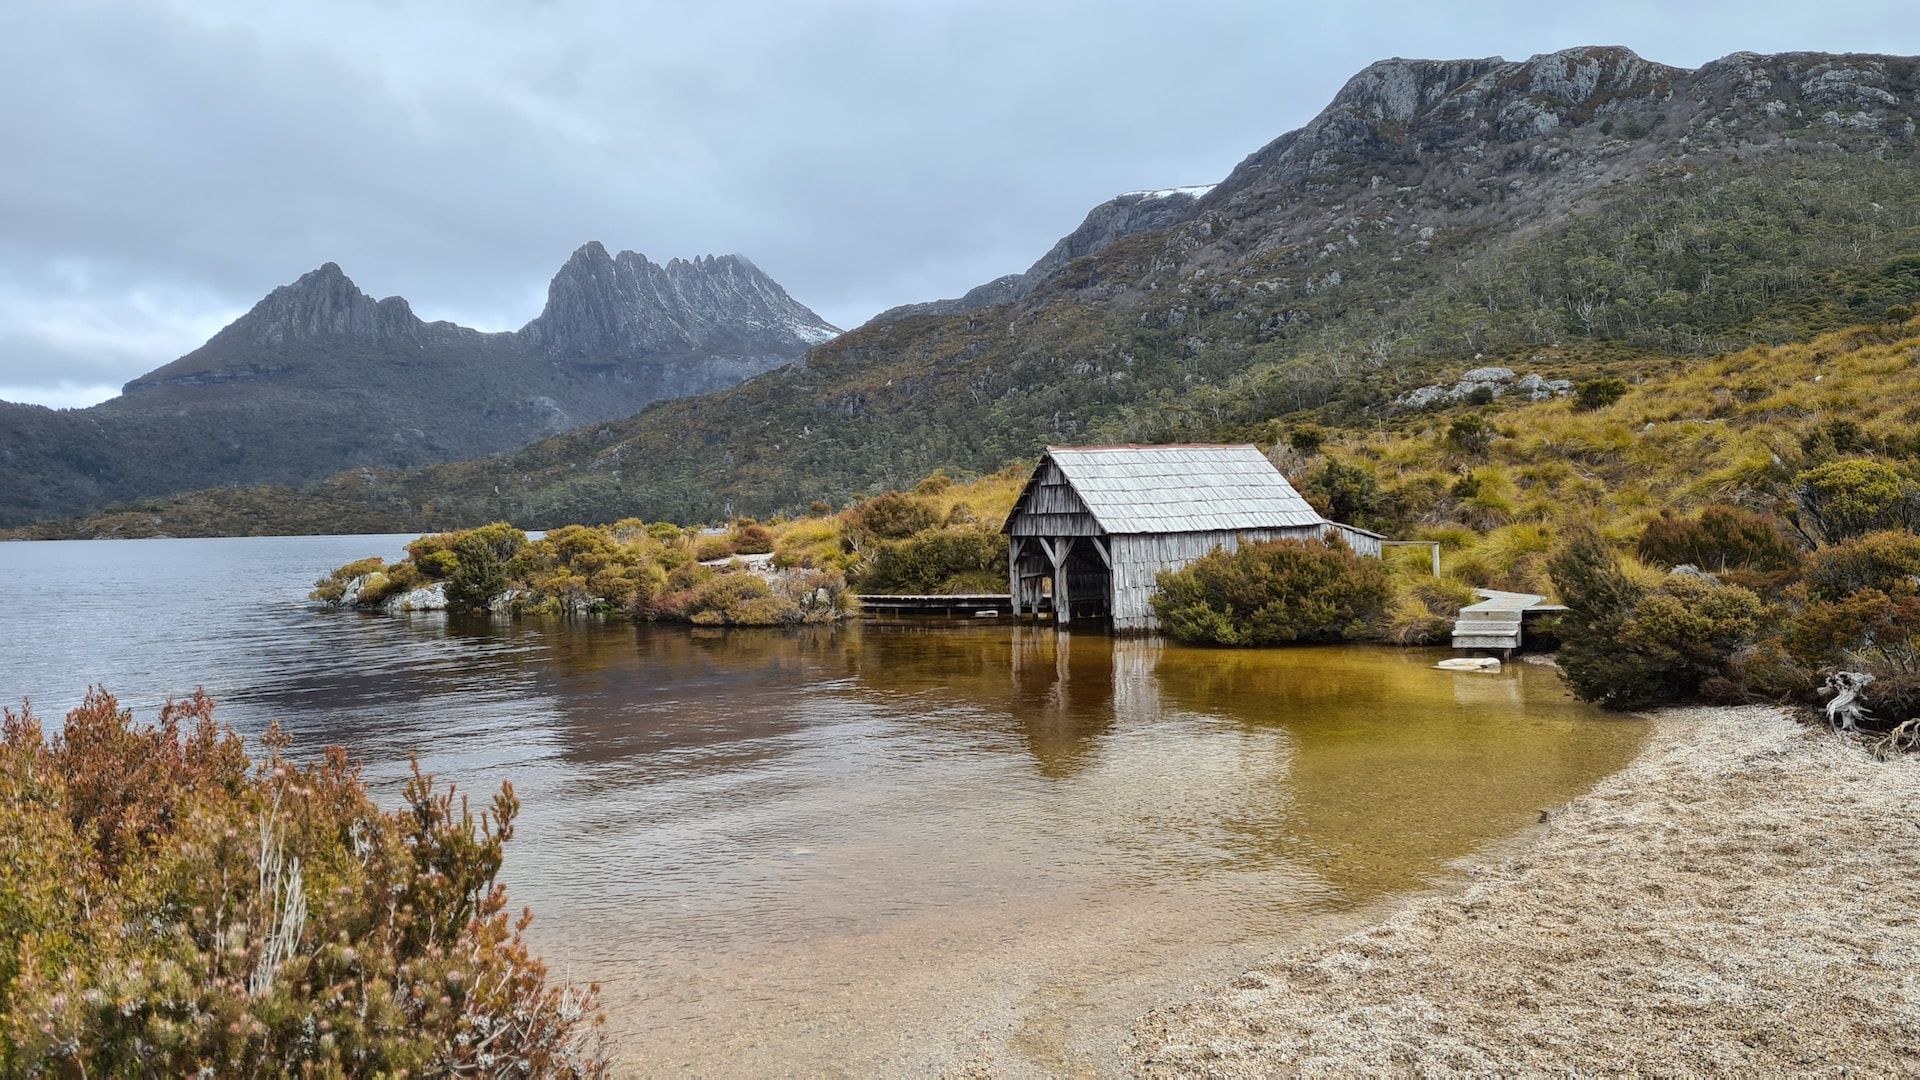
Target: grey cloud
169, 162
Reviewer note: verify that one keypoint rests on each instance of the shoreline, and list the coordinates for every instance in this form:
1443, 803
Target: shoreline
1740, 898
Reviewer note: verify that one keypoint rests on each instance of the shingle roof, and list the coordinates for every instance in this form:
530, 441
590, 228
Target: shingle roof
1171, 489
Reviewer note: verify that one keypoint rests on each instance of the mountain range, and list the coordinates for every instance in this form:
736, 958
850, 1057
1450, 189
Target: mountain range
320, 377
1580, 212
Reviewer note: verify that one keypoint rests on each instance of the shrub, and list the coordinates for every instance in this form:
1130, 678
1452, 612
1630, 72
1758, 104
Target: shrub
1854, 496
479, 560
1887, 562
1685, 632
752, 538
1271, 593
962, 514
1823, 632
818, 596
1471, 434
1841, 435
575, 569
1307, 438
1349, 493
1625, 647
936, 483
480, 577
169, 906
892, 516
731, 598
438, 564
1720, 538
948, 559
1596, 394
333, 587
1424, 610
712, 547
1599, 598
391, 582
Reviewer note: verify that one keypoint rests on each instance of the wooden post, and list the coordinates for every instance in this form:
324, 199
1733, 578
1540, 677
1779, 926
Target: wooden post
1057, 554
1062, 584
1014, 544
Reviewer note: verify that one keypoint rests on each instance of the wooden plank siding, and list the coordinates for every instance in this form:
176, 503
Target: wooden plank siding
1050, 507
1139, 560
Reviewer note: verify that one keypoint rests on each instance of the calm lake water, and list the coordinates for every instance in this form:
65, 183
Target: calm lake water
872, 848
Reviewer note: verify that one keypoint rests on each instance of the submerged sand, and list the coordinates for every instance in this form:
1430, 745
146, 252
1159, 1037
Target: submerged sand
1743, 899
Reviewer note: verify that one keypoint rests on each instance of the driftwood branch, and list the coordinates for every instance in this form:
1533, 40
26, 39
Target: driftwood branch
1845, 712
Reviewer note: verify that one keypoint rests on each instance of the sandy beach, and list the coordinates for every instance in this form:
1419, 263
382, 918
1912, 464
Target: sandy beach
1744, 899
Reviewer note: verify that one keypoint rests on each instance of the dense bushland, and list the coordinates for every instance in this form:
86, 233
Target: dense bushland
630, 568
1852, 606
171, 905
1274, 593
932, 540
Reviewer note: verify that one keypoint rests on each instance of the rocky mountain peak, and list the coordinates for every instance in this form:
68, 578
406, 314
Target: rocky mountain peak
321, 303
627, 306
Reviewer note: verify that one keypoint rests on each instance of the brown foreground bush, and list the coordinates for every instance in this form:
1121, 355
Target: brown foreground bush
170, 907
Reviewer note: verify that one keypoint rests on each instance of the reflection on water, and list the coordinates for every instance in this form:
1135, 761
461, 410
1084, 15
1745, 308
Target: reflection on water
860, 848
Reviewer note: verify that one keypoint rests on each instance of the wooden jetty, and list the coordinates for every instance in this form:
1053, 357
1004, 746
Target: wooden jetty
964, 605
1497, 622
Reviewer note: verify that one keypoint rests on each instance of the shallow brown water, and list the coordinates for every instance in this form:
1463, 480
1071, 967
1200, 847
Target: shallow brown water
859, 849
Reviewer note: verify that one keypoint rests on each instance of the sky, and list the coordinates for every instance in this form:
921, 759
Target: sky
165, 163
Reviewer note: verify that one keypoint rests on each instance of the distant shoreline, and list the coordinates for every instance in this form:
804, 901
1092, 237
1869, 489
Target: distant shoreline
1737, 900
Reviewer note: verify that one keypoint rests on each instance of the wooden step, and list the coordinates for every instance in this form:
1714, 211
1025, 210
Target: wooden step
1487, 641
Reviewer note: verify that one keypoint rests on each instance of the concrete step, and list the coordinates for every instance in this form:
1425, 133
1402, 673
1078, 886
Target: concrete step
1486, 641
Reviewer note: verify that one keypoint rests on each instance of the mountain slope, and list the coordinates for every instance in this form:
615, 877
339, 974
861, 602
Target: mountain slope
1560, 214
319, 376
1120, 216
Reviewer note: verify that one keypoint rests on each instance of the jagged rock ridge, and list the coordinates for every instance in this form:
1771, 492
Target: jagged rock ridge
624, 305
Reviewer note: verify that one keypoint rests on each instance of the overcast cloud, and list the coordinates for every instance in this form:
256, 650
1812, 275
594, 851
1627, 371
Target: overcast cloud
164, 164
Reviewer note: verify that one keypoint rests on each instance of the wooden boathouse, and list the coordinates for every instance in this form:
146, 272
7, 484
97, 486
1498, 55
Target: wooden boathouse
1098, 523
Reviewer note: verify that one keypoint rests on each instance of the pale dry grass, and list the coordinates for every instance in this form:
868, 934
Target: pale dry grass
1742, 900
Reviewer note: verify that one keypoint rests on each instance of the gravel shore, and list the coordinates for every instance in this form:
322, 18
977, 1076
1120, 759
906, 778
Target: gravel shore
1744, 899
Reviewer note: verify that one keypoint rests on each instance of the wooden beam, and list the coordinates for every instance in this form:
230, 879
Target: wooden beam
1432, 545
1100, 549
1052, 556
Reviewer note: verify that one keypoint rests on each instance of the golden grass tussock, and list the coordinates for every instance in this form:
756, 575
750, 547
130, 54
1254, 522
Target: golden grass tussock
1737, 429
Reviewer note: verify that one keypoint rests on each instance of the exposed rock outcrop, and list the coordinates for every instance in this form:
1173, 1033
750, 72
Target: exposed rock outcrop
1120, 216
1494, 381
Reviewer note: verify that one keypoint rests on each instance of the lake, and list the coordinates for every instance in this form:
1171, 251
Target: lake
858, 849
